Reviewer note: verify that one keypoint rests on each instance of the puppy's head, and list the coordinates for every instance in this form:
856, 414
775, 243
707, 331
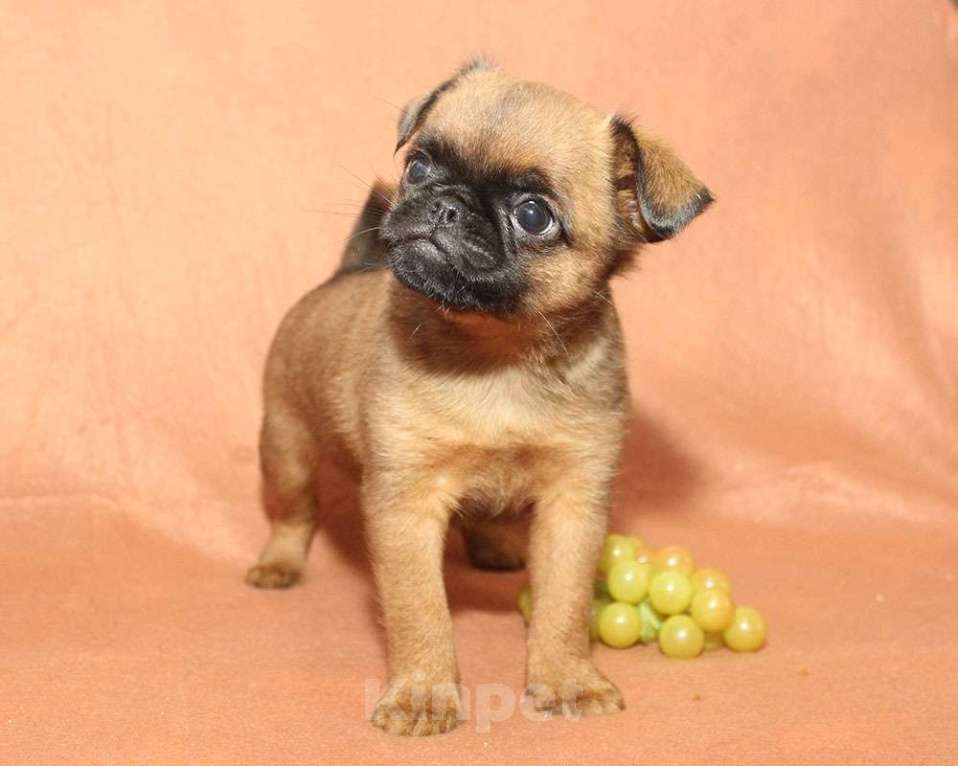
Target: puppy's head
517, 198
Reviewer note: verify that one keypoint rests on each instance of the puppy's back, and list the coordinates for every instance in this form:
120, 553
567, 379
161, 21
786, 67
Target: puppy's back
318, 365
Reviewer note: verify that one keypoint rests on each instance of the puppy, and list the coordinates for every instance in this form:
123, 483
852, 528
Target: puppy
467, 362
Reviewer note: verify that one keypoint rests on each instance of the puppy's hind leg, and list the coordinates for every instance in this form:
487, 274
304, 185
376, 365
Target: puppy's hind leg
287, 460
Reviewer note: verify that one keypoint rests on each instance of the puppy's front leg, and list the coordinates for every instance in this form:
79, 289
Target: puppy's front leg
566, 536
407, 530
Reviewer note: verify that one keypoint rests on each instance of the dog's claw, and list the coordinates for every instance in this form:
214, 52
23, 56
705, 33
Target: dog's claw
418, 710
278, 574
574, 698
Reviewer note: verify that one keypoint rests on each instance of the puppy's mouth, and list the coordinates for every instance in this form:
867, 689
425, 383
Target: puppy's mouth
423, 265
420, 252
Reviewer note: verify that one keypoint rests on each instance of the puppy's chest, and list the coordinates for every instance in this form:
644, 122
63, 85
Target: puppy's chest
496, 438
504, 411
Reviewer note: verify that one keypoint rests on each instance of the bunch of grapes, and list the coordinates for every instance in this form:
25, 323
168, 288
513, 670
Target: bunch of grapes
645, 597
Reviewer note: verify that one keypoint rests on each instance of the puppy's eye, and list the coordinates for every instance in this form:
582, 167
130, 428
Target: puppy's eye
534, 216
418, 169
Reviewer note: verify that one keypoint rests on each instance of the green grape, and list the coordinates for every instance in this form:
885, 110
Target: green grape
600, 589
713, 641
643, 556
524, 602
617, 548
670, 592
674, 558
712, 609
708, 578
629, 582
747, 631
598, 604
619, 625
651, 622
681, 637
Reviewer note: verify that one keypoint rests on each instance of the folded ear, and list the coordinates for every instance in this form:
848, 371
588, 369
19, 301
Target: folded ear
657, 195
416, 110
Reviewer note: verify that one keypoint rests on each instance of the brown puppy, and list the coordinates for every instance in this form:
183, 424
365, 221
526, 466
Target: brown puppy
467, 361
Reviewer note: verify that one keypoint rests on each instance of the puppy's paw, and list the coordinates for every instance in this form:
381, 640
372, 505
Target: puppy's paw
586, 692
276, 574
418, 709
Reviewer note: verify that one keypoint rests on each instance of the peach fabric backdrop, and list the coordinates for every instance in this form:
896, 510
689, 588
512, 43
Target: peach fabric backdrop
173, 175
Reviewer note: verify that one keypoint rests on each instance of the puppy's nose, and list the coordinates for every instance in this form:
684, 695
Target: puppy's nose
445, 211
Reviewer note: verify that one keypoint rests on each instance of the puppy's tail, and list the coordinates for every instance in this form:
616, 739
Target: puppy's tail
364, 250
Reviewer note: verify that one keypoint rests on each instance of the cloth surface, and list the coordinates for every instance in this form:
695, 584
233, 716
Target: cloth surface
174, 175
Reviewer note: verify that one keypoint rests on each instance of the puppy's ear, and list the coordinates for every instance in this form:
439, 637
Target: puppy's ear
656, 194
364, 248
416, 110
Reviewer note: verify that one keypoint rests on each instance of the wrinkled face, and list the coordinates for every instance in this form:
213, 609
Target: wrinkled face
507, 203
466, 238
519, 199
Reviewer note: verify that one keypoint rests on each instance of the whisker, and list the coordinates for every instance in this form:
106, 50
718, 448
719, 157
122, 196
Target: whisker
366, 184
343, 213
351, 237
390, 103
601, 297
554, 332
348, 203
